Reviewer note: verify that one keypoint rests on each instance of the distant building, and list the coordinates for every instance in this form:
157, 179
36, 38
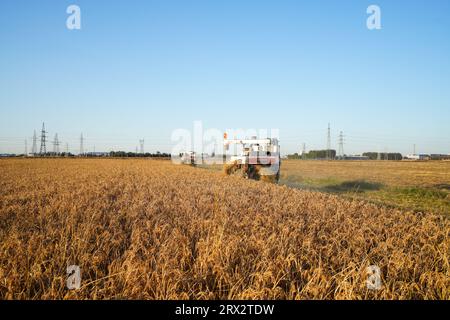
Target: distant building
97, 154
355, 157
417, 157
440, 156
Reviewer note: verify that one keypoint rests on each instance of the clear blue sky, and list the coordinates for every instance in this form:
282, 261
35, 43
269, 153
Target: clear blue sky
140, 69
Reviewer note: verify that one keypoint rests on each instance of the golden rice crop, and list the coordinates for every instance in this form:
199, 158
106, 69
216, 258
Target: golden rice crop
392, 173
142, 229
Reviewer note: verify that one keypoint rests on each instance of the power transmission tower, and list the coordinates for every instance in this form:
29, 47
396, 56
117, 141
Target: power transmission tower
43, 149
81, 145
56, 145
34, 148
341, 145
328, 143
26, 148
67, 149
304, 151
141, 142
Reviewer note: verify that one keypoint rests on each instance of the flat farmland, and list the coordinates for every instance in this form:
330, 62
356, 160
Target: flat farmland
409, 185
148, 229
399, 173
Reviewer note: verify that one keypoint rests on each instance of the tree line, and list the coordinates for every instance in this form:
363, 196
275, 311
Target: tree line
314, 154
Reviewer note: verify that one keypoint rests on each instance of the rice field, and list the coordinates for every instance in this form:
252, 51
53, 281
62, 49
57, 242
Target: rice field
148, 229
421, 186
393, 173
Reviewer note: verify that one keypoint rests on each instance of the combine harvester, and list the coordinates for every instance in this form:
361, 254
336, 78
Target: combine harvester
259, 160
189, 158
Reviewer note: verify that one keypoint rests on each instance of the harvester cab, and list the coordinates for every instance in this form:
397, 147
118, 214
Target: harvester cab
259, 159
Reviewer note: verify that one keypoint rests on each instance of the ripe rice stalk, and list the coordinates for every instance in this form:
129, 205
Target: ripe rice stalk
154, 230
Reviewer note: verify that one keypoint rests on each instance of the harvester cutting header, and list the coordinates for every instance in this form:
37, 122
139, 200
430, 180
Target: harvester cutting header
259, 159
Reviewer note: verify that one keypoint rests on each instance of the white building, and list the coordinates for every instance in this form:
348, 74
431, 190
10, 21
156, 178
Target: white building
417, 157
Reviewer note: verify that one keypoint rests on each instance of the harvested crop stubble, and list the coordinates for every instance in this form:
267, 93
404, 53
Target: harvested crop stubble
143, 229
